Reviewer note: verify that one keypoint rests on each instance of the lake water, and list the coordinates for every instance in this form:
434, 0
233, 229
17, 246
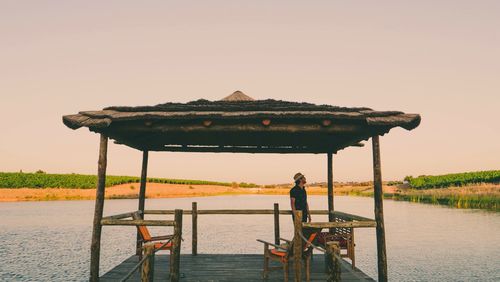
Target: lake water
50, 241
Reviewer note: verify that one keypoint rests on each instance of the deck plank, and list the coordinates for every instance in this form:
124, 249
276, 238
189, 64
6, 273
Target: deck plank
227, 267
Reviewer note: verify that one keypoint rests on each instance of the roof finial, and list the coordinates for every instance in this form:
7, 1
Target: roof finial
238, 96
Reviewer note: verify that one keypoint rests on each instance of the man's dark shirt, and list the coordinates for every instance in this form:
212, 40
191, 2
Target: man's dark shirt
300, 196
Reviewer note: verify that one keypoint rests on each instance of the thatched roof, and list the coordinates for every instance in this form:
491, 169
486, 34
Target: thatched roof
238, 96
238, 120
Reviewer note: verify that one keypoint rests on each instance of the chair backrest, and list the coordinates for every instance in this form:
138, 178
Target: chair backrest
143, 230
310, 239
308, 233
342, 230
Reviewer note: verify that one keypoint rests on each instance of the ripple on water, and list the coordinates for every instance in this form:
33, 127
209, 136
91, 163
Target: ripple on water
50, 241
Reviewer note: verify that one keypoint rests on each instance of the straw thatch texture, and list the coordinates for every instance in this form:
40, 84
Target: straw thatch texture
241, 121
238, 96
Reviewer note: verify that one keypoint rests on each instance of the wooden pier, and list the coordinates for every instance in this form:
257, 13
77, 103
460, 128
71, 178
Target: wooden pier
227, 267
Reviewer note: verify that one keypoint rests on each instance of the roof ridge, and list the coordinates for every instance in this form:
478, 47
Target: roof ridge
238, 96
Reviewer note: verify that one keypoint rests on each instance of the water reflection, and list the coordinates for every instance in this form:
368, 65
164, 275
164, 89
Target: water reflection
50, 241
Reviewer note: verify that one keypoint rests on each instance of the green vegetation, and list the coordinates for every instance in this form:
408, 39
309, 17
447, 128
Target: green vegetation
488, 202
474, 190
455, 179
44, 180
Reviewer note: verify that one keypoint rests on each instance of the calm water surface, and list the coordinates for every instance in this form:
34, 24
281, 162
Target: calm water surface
50, 241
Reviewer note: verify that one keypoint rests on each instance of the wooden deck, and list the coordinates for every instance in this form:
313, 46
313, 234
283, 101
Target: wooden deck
227, 267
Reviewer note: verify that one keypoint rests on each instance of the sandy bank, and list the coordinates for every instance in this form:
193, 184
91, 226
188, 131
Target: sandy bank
154, 190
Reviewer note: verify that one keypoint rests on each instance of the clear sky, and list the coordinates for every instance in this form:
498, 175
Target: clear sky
440, 59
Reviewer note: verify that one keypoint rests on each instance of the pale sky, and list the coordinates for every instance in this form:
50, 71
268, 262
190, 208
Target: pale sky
440, 59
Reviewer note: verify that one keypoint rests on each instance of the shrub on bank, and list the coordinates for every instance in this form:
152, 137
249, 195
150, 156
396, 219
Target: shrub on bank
454, 179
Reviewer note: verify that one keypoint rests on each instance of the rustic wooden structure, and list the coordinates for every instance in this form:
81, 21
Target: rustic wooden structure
283, 253
158, 242
194, 229
333, 262
147, 270
353, 221
227, 267
240, 124
142, 193
149, 244
344, 236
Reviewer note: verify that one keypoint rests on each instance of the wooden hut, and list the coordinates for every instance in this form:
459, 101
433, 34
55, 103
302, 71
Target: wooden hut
240, 124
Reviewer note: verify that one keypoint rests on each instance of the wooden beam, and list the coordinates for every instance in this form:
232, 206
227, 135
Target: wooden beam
119, 216
142, 197
347, 224
243, 149
144, 175
348, 216
137, 222
271, 139
379, 210
244, 142
165, 212
330, 186
332, 260
194, 246
176, 245
95, 246
228, 211
297, 245
343, 215
248, 127
148, 266
276, 224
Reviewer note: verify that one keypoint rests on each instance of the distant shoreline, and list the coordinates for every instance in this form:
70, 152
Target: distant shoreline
130, 191
485, 196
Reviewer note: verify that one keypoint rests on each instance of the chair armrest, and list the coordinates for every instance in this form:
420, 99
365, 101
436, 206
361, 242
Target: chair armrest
271, 244
288, 241
157, 238
164, 237
345, 235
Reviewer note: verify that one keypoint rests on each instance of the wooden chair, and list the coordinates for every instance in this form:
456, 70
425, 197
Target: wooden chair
284, 253
345, 237
159, 241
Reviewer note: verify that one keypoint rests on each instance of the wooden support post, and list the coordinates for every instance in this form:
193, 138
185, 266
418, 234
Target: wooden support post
379, 210
332, 259
194, 246
95, 247
176, 252
297, 245
142, 197
331, 208
148, 266
276, 223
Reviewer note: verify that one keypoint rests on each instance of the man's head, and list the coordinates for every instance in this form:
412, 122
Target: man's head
299, 179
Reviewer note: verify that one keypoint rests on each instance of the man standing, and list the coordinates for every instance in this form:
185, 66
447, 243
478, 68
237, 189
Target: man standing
298, 197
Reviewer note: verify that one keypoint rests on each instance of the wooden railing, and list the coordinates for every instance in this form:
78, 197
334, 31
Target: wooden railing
347, 221
147, 261
351, 220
